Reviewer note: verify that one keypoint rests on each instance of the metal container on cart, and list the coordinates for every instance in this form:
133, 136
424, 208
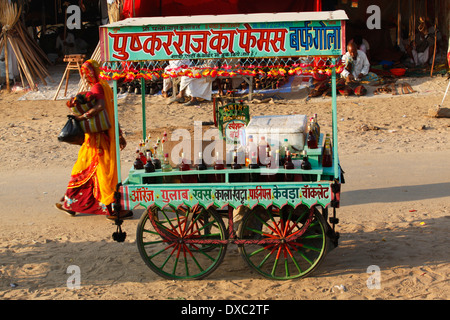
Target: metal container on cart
277, 128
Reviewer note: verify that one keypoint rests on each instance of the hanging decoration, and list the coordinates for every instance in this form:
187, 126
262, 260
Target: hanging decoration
132, 71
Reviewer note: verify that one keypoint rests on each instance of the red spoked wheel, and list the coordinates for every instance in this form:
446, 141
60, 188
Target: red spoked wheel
181, 243
283, 243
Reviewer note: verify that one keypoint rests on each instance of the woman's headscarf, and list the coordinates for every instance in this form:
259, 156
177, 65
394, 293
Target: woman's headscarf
91, 70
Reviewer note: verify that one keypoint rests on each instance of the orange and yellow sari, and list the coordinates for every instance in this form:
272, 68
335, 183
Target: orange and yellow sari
94, 175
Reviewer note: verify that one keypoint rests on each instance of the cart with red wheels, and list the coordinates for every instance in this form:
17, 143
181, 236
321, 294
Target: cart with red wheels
282, 226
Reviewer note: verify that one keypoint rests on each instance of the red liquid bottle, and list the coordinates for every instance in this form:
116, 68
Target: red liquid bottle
316, 127
138, 164
148, 168
289, 165
156, 161
235, 177
219, 166
201, 178
184, 166
141, 153
312, 141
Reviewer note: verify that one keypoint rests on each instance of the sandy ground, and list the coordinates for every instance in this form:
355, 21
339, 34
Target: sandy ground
394, 211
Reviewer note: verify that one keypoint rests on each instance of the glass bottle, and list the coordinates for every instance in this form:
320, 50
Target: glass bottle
184, 166
284, 146
263, 147
317, 127
289, 165
201, 178
274, 165
235, 177
161, 150
141, 152
250, 148
156, 161
149, 167
312, 126
218, 165
138, 164
254, 176
327, 157
312, 141
166, 167
306, 165
268, 158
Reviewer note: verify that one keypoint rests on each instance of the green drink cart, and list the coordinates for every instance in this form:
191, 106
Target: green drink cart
282, 227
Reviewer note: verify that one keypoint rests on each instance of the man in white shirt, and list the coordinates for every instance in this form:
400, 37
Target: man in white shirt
357, 65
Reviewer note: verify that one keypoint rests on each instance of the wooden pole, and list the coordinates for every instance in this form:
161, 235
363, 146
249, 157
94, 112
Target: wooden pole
8, 89
23, 64
435, 44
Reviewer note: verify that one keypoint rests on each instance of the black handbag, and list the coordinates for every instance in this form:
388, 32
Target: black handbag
72, 132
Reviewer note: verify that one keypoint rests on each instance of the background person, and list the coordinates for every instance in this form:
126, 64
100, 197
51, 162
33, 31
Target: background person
357, 65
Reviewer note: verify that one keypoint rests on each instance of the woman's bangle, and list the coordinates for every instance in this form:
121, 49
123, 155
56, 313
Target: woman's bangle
85, 115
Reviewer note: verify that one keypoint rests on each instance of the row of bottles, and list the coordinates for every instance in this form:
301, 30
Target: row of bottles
153, 163
244, 176
263, 149
257, 155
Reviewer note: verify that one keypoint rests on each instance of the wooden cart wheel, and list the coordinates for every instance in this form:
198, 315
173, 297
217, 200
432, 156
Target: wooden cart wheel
181, 243
300, 244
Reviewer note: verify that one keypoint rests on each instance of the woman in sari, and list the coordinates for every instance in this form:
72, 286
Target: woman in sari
94, 176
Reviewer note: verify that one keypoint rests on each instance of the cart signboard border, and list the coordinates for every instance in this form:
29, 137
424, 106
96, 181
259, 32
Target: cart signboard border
309, 194
214, 40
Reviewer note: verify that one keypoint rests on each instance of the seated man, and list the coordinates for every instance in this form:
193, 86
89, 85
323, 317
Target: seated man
173, 65
422, 50
357, 65
195, 88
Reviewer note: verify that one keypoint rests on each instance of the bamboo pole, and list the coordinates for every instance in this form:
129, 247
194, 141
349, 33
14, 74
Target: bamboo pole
30, 57
37, 66
435, 44
34, 47
29, 60
21, 62
8, 89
